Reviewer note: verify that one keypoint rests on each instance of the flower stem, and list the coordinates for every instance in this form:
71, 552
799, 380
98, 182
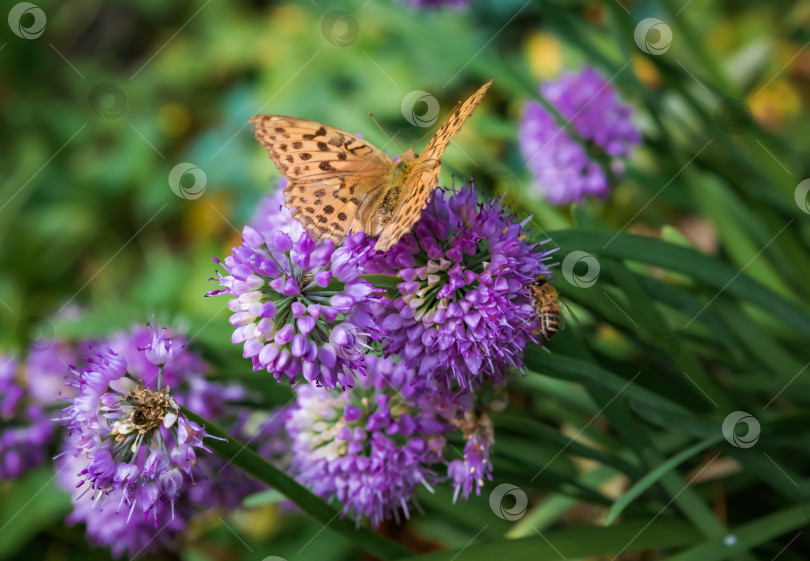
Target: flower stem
238, 453
160, 377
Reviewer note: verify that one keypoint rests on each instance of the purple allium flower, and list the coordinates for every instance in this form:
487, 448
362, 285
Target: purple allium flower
134, 436
185, 366
161, 350
123, 524
471, 471
300, 307
372, 445
463, 313
25, 428
564, 172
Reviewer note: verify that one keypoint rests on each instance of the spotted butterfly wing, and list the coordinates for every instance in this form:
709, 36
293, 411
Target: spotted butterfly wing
424, 176
338, 183
335, 180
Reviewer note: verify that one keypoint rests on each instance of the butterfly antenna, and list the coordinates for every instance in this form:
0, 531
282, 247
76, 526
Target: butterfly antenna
379, 126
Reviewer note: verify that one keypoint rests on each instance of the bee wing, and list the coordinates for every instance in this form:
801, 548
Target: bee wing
569, 310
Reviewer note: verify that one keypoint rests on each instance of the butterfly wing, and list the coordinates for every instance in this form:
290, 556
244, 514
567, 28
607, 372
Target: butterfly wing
424, 177
334, 178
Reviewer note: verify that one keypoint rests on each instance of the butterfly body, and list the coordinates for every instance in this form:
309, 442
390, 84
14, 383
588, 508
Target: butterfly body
339, 184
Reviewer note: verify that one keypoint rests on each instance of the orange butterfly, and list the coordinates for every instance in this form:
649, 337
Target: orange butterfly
338, 183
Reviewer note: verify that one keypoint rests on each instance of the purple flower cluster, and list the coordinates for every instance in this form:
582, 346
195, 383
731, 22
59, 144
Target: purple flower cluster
563, 169
372, 445
299, 307
131, 459
456, 317
25, 428
125, 531
462, 314
134, 436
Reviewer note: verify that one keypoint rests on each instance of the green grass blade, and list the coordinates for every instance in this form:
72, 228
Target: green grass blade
655, 475
712, 272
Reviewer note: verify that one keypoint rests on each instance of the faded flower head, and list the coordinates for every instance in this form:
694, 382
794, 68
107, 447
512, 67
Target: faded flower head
133, 436
463, 315
371, 446
299, 307
564, 170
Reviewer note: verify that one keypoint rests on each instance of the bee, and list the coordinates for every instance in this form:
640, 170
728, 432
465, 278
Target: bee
546, 303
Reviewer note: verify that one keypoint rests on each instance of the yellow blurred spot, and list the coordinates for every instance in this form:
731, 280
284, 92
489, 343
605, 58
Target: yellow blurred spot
610, 334
174, 119
646, 72
260, 523
292, 18
545, 55
775, 105
205, 218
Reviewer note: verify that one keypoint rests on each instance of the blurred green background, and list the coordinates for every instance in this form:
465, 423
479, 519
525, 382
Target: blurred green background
100, 108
